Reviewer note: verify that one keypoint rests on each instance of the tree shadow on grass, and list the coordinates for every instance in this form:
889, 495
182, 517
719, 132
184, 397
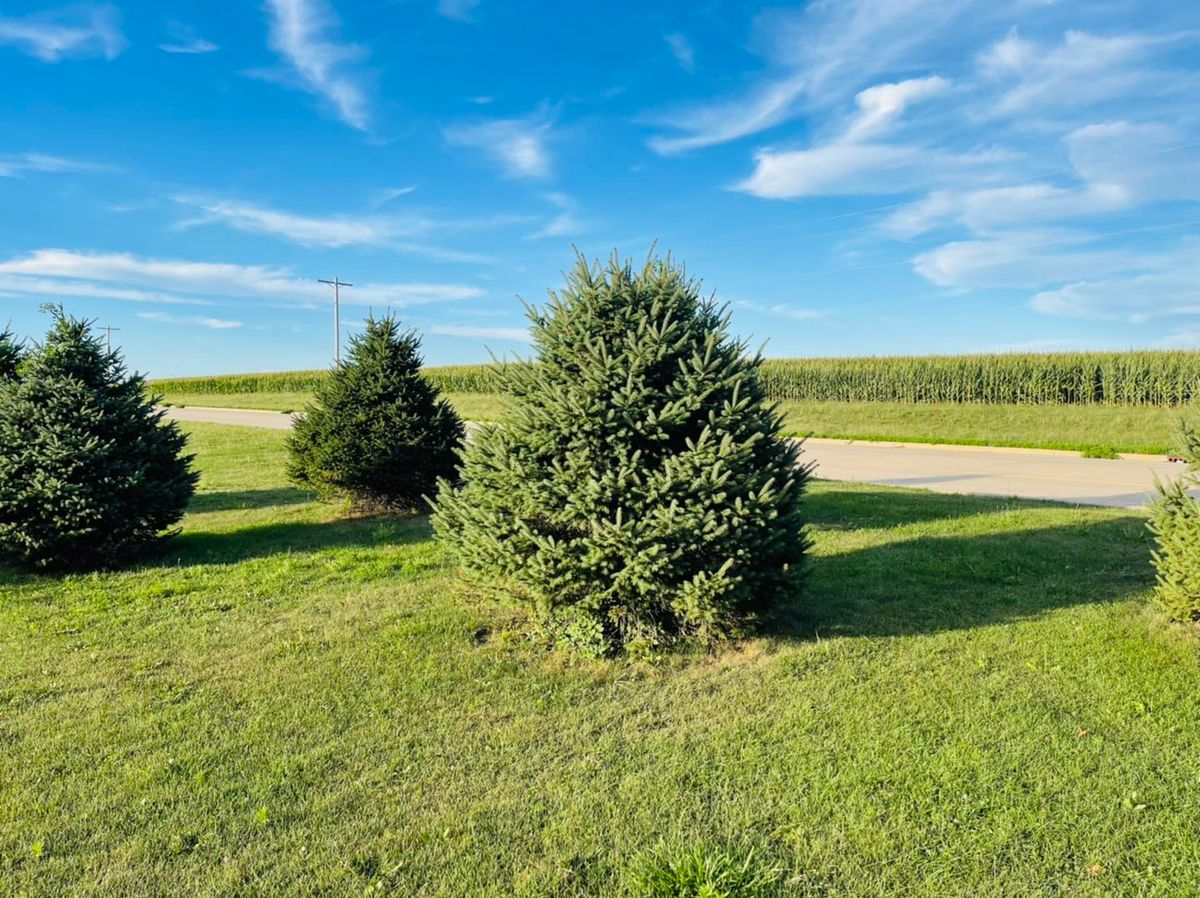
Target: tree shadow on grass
237, 500
207, 547
845, 506
932, 583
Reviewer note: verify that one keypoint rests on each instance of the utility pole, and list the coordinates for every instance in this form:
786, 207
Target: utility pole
337, 315
108, 329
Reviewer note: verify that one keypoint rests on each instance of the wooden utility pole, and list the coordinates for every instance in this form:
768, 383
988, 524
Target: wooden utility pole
337, 314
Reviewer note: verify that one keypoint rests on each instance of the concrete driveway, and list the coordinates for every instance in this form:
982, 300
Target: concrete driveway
984, 471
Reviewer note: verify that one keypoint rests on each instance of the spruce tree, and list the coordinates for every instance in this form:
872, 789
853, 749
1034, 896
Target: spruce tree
640, 492
10, 355
377, 431
1175, 523
90, 474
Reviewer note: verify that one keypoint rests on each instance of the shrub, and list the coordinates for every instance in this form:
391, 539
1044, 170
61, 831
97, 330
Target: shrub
640, 490
1175, 522
377, 431
90, 474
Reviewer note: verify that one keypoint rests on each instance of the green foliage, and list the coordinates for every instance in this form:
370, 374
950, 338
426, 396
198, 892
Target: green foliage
702, 872
10, 355
1175, 522
377, 431
90, 474
639, 491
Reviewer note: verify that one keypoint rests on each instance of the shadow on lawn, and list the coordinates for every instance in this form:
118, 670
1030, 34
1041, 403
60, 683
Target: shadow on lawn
933, 583
284, 538
236, 500
844, 506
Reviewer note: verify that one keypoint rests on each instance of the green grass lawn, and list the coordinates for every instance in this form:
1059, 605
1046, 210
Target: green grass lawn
1094, 429
971, 699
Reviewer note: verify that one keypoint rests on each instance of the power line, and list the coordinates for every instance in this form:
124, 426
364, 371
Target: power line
337, 314
108, 332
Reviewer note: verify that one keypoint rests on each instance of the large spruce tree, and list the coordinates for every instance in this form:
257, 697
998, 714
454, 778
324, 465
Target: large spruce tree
377, 432
90, 473
640, 491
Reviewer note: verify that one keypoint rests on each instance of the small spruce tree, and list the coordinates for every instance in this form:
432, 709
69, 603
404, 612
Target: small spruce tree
1175, 523
90, 473
377, 432
640, 491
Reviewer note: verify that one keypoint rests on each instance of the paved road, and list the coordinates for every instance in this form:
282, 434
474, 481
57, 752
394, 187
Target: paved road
1028, 474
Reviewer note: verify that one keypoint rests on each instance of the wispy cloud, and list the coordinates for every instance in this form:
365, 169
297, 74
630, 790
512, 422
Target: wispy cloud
71, 32
814, 58
705, 126
880, 106
12, 166
681, 48
396, 232
783, 310
459, 10
182, 280
518, 146
301, 32
1082, 69
218, 324
564, 222
512, 334
330, 230
184, 40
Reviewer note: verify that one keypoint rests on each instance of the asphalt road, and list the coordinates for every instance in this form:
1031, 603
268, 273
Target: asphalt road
1024, 473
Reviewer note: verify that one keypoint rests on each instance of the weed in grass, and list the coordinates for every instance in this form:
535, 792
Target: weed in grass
699, 871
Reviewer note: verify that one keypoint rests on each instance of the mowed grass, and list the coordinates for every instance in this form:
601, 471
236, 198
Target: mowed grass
1094, 429
1084, 428
971, 699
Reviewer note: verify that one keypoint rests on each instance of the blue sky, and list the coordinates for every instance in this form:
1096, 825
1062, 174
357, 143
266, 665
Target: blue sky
859, 176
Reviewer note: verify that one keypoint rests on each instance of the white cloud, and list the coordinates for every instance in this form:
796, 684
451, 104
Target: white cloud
514, 334
986, 210
853, 164
335, 231
682, 50
212, 280
459, 10
705, 126
71, 32
219, 324
1018, 260
330, 230
861, 169
386, 195
300, 33
565, 222
516, 145
1082, 70
816, 58
12, 166
1167, 285
795, 313
190, 45
881, 105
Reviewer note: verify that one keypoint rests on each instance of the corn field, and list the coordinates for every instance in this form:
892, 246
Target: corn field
1155, 378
